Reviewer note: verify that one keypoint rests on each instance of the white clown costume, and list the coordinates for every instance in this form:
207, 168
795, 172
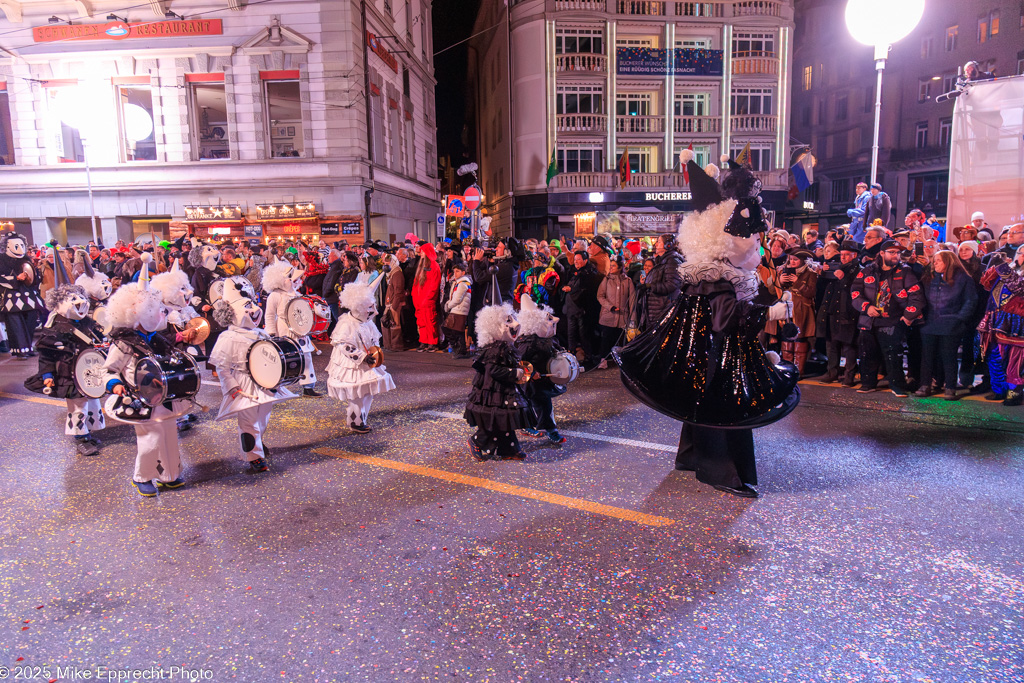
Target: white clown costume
243, 399
177, 294
97, 285
352, 375
281, 282
139, 319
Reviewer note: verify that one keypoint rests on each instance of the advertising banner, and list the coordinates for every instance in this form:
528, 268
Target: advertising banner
650, 61
639, 224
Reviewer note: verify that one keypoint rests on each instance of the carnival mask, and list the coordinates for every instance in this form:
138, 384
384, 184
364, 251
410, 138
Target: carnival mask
153, 318
16, 247
75, 306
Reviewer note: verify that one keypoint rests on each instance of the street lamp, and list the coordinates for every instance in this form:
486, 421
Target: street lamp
881, 23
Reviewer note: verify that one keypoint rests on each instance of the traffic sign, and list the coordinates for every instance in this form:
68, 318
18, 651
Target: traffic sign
456, 205
440, 219
473, 198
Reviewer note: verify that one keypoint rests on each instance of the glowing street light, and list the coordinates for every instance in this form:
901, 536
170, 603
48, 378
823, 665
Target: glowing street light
881, 23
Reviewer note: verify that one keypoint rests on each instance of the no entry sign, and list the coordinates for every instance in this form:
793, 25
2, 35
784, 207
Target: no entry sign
473, 198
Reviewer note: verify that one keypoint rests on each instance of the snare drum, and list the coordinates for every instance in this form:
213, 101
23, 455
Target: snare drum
563, 368
321, 314
159, 379
304, 316
275, 362
89, 375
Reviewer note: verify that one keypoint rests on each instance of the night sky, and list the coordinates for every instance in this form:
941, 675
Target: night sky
453, 21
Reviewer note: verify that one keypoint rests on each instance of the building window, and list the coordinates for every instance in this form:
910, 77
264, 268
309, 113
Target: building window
753, 44
988, 26
760, 155
387, 6
209, 121
927, 45
805, 116
1020, 65
693, 104
841, 190
701, 154
580, 158
951, 35
135, 110
406, 89
634, 42
925, 189
633, 104
751, 101
822, 114
948, 82
579, 99
284, 118
945, 132
430, 160
869, 99
808, 79
6, 132
579, 41
924, 88
641, 159
693, 43
921, 135
842, 107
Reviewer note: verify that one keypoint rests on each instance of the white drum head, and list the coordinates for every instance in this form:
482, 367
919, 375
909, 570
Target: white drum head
563, 368
266, 367
89, 374
299, 314
216, 292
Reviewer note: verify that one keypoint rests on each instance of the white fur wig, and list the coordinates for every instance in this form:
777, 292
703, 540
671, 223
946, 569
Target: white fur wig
128, 302
278, 276
174, 287
203, 255
703, 240
96, 284
62, 294
539, 320
358, 297
496, 323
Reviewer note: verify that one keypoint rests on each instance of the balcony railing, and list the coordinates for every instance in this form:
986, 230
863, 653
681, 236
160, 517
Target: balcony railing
773, 180
581, 5
601, 180
755, 63
582, 61
760, 8
609, 180
648, 8
754, 123
698, 124
707, 10
581, 123
640, 124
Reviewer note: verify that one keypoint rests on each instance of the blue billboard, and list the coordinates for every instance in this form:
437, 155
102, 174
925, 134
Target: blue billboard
653, 61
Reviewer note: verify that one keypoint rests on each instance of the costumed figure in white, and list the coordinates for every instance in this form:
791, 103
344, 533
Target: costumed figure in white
282, 281
496, 405
355, 373
20, 303
537, 345
68, 331
703, 364
243, 399
97, 285
179, 297
139, 319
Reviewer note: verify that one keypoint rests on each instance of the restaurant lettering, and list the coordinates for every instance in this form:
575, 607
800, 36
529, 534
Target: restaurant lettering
119, 30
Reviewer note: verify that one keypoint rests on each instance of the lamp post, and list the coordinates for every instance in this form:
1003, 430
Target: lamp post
881, 23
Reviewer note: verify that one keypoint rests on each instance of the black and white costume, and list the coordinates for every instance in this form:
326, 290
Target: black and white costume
537, 345
243, 399
97, 285
20, 303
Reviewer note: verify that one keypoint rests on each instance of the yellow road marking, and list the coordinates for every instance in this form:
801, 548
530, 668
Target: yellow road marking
521, 491
33, 399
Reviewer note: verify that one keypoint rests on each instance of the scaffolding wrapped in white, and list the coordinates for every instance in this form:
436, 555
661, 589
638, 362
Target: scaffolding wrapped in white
986, 166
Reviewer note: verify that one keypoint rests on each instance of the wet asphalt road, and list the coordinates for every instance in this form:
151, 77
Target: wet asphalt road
886, 545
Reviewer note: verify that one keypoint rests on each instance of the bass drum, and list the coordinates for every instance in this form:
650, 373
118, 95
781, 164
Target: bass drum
161, 379
89, 375
321, 314
275, 362
300, 316
563, 368
217, 288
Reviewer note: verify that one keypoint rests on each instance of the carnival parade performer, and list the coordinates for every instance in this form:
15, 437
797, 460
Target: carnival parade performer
20, 303
68, 331
355, 373
1002, 329
282, 281
536, 344
249, 403
496, 405
717, 317
139, 319
97, 285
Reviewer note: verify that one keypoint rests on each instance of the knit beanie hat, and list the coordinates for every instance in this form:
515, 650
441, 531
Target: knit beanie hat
970, 244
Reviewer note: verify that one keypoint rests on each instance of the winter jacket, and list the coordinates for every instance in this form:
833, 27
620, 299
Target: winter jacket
896, 292
880, 206
616, 292
857, 216
331, 279
461, 295
837, 318
950, 306
581, 299
803, 291
661, 286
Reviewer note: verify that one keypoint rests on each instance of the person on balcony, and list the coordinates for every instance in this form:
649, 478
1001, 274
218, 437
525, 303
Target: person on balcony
859, 212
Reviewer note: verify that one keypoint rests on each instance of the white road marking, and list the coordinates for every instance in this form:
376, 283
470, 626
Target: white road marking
582, 435
211, 383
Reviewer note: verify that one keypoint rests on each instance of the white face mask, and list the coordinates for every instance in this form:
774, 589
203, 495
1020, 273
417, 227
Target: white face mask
75, 307
509, 329
248, 314
211, 257
181, 297
153, 319
15, 248
549, 326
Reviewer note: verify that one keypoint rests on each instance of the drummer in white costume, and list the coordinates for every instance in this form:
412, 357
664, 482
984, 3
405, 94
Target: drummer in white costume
139, 318
97, 285
354, 373
243, 399
281, 281
179, 297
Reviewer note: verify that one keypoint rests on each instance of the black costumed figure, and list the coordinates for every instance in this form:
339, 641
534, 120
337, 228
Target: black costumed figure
537, 346
20, 303
496, 405
703, 364
67, 333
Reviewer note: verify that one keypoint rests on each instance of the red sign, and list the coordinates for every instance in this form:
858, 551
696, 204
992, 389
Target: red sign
473, 198
455, 206
118, 30
382, 52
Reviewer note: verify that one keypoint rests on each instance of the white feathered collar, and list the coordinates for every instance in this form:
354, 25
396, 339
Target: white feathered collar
745, 282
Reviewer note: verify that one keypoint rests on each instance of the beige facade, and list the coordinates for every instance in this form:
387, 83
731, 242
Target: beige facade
231, 104
586, 82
